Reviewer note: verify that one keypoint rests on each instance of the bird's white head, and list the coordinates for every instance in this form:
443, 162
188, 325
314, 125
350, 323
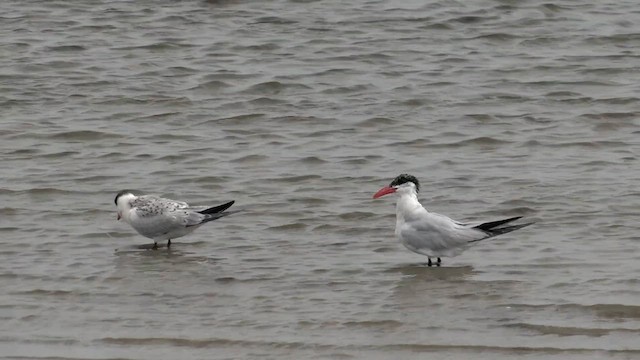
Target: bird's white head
401, 185
123, 202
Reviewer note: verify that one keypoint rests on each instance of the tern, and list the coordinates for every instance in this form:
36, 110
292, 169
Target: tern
431, 234
162, 219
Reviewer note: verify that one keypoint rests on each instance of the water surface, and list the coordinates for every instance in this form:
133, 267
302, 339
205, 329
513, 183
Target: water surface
300, 111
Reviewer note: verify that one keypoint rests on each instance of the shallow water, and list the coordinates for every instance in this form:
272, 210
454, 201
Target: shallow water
300, 111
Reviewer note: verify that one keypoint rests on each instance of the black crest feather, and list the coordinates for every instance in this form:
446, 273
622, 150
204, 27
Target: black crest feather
405, 178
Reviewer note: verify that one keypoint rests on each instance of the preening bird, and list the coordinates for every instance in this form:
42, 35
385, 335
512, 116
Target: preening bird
163, 219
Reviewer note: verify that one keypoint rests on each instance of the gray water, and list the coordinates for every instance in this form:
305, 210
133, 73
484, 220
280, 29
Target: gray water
300, 111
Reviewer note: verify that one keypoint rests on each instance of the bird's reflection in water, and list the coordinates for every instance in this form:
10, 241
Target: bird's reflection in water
176, 248
421, 272
421, 284
178, 254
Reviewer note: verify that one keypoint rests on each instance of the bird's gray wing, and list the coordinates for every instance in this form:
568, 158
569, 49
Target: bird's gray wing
159, 224
152, 204
436, 232
154, 216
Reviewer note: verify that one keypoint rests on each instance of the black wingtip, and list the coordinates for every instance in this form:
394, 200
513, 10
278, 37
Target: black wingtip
503, 230
217, 209
507, 229
216, 216
490, 225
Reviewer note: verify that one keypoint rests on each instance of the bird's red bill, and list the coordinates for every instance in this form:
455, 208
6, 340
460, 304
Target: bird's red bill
384, 191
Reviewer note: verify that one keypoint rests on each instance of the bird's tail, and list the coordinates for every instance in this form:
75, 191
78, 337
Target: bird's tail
211, 217
506, 229
502, 230
217, 209
490, 225
216, 212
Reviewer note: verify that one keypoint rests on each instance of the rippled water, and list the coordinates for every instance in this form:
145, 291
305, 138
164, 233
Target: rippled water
300, 111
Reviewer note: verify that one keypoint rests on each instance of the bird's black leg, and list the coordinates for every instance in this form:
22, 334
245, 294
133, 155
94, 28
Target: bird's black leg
438, 263
429, 263
155, 246
169, 243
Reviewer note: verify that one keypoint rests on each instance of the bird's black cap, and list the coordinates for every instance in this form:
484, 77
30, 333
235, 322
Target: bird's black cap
123, 192
404, 178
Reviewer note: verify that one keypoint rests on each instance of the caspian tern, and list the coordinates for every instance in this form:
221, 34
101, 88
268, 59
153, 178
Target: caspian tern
432, 234
162, 219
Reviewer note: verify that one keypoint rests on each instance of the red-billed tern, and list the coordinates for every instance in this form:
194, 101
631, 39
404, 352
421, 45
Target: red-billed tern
431, 234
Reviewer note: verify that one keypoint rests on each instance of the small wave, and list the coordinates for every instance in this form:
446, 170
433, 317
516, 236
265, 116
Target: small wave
296, 179
437, 26
616, 311
327, 133
418, 143
175, 18
504, 96
93, 84
47, 341
92, 28
561, 330
161, 45
380, 324
84, 135
589, 144
355, 161
336, 72
172, 137
497, 36
376, 122
609, 311
385, 249
171, 158
182, 70
563, 94
158, 116
226, 279
482, 141
274, 20
266, 101
312, 160
288, 227
209, 179
233, 120
23, 152
274, 88
613, 115
213, 85
325, 228
66, 48
45, 292
257, 47
194, 343
250, 159
356, 215
42, 191
61, 154
348, 89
